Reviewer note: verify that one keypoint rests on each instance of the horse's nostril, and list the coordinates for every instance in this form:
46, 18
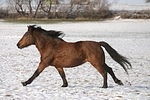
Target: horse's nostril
17, 45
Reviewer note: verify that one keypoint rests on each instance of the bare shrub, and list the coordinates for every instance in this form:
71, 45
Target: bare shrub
92, 9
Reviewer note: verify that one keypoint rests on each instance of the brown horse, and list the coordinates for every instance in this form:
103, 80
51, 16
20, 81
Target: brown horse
56, 52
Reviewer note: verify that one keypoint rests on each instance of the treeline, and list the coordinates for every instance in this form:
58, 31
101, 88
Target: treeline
141, 14
69, 9
66, 9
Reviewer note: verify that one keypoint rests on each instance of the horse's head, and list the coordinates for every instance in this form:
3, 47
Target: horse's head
27, 38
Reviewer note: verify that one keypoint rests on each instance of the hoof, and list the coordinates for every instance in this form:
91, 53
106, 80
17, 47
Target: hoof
64, 85
105, 87
24, 83
119, 82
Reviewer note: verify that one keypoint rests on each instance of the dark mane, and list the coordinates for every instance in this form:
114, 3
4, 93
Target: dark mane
51, 33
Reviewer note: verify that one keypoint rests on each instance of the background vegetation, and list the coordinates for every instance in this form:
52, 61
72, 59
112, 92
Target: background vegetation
66, 9
56, 9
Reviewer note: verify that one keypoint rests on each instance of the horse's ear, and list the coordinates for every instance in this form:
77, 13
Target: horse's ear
30, 29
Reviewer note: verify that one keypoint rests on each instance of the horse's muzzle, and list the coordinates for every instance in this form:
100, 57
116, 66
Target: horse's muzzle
19, 46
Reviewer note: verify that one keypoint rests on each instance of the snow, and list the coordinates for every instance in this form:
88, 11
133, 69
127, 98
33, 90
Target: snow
130, 7
130, 38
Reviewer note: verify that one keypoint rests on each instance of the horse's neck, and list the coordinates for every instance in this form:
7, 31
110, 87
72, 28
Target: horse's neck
42, 43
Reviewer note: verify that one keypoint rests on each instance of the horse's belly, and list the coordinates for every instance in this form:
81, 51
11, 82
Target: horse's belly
73, 62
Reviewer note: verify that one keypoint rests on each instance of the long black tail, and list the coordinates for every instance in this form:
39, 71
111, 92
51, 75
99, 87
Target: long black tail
116, 56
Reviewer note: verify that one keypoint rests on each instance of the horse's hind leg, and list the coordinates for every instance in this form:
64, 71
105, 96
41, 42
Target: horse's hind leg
63, 76
110, 71
102, 72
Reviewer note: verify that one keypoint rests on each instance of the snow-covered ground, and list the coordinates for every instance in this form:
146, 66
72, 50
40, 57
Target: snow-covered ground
130, 7
130, 38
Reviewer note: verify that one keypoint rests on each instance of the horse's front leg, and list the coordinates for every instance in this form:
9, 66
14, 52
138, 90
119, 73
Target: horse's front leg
41, 67
63, 76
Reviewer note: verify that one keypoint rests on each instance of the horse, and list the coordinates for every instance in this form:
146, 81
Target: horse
60, 54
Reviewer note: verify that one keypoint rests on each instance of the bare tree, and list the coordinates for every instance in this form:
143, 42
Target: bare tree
25, 8
33, 7
54, 9
86, 8
29, 7
46, 6
73, 8
19, 7
96, 9
39, 2
49, 7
